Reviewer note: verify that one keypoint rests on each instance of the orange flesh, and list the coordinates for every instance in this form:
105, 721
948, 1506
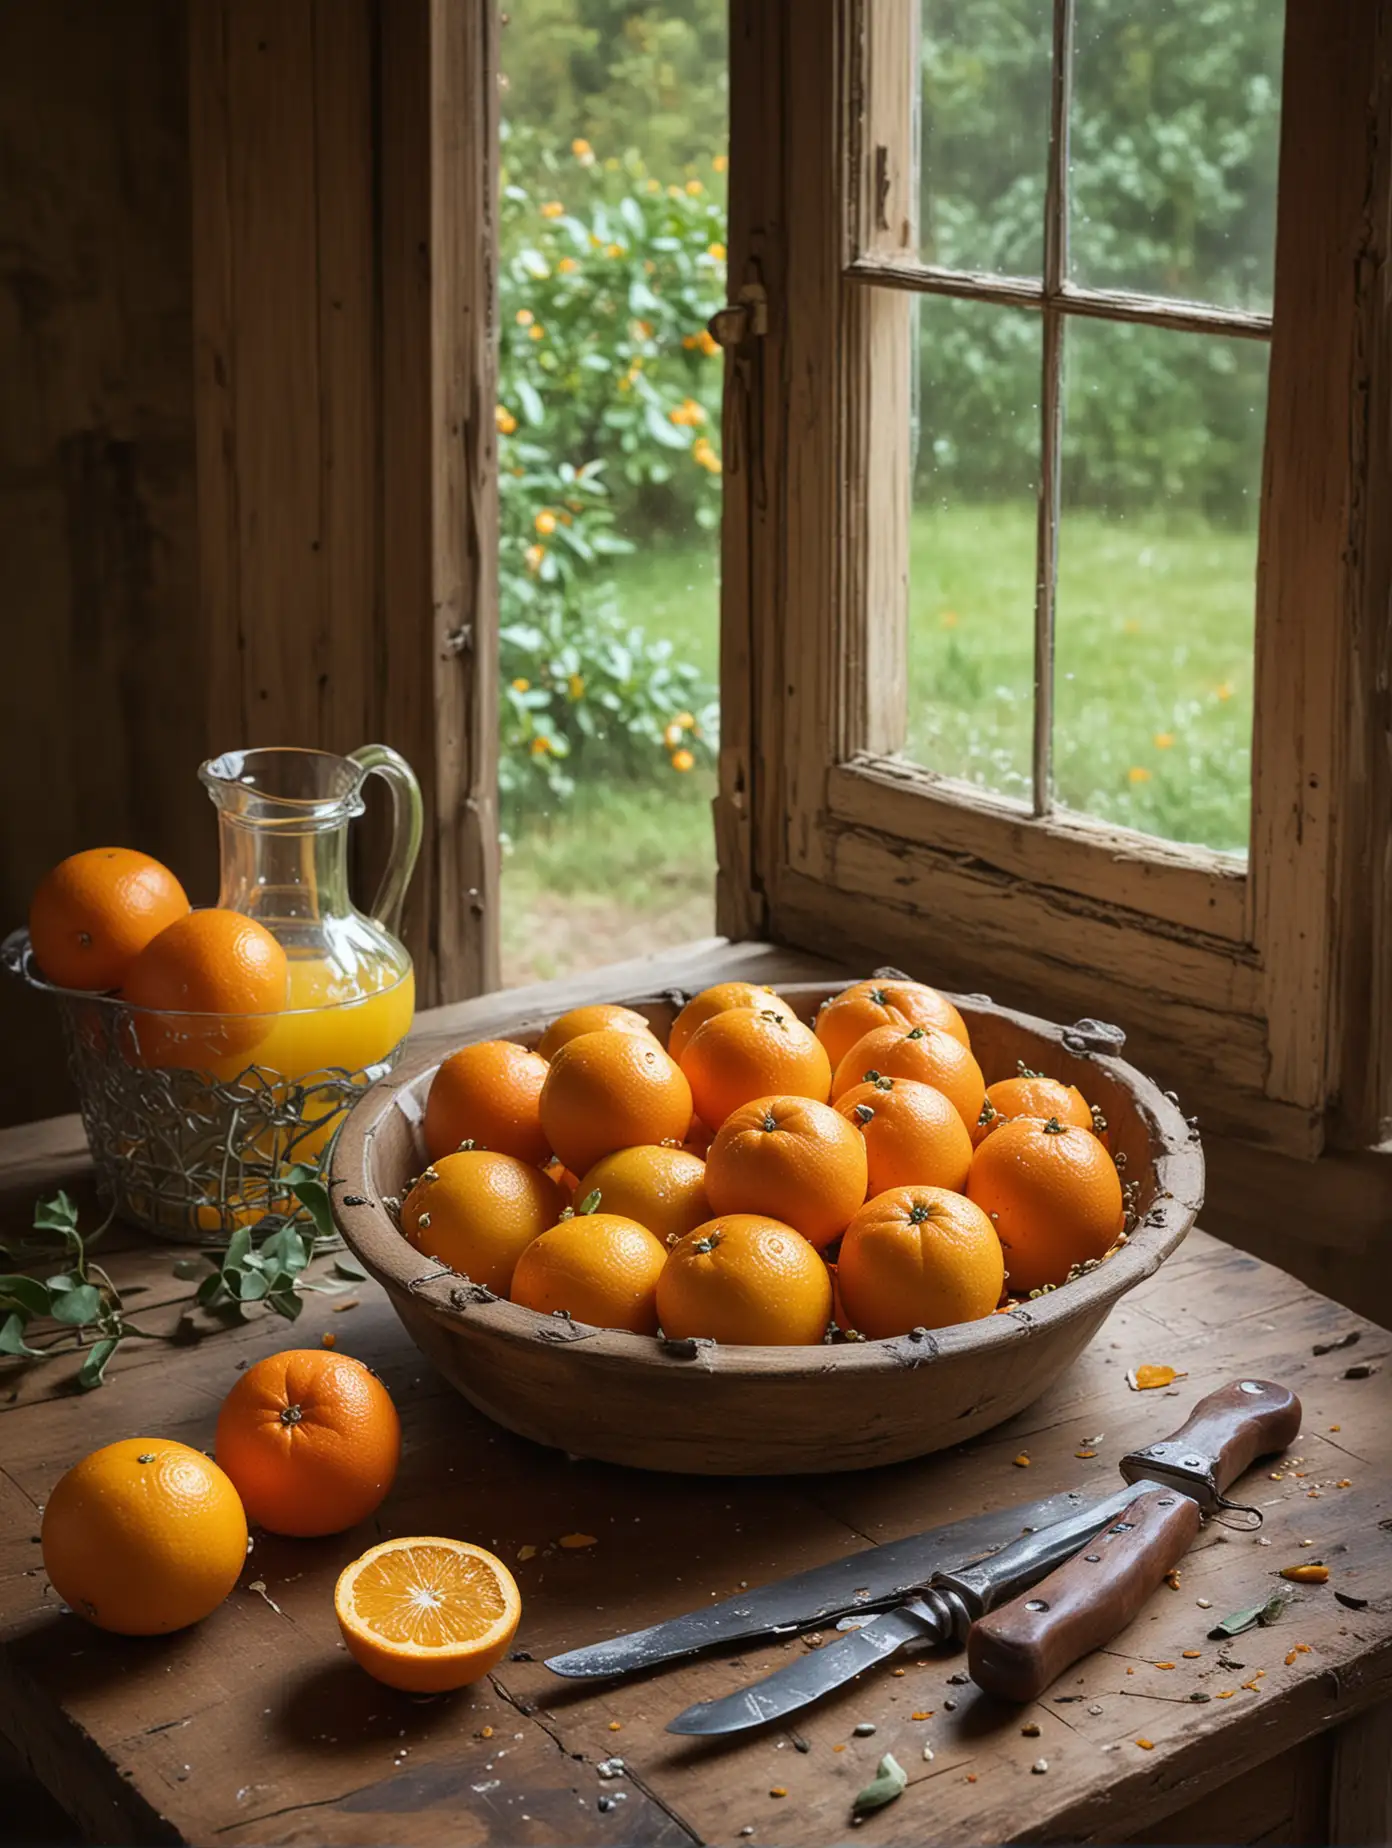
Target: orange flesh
427, 1597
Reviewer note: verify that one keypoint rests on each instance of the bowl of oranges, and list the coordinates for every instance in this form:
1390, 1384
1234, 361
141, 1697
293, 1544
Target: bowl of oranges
751, 1232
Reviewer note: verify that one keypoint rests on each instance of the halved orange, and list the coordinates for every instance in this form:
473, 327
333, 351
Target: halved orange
427, 1614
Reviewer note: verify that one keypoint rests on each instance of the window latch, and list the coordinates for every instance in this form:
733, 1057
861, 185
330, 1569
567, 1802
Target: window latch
745, 318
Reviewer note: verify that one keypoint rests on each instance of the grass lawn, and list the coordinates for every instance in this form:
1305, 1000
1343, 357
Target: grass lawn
1153, 696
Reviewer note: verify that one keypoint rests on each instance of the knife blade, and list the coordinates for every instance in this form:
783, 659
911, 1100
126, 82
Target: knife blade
939, 1615
870, 1580
1222, 1436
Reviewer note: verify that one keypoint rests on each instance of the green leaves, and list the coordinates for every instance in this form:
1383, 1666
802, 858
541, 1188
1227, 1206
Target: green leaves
272, 1273
80, 1299
1263, 1614
890, 1781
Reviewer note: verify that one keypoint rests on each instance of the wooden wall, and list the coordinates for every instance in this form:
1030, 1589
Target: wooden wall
101, 696
247, 451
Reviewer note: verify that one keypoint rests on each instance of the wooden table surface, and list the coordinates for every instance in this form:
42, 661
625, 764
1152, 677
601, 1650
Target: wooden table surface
256, 1727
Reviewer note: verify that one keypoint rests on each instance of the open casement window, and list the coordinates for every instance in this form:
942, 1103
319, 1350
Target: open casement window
1245, 973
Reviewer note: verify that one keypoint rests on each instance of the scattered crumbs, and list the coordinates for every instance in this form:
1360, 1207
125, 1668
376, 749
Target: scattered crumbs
1277, 1475
1251, 1687
1030, 1730
1344, 1482
1302, 1649
1146, 1745
1146, 1379
1020, 1462
1192, 1655
1290, 1657
1226, 1693
616, 1726
1313, 1494
1336, 1427
343, 1308
838, 1748
863, 1729
327, 1339
1130, 1671
778, 1790
958, 1681
1085, 1455
1200, 1696
1315, 1574
1307, 1543
524, 1553
928, 1754
1172, 1578
949, 1706
578, 1540
898, 1674
971, 1777
1040, 1766
748, 1829
921, 1716
799, 1743
486, 1733
1164, 1665
1204, 1604
1094, 1709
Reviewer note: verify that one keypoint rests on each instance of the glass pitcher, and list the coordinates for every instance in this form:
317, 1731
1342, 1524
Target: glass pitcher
283, 819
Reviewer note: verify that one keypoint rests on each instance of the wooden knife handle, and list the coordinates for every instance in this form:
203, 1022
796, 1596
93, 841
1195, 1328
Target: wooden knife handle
1223, 1436
1017, 1650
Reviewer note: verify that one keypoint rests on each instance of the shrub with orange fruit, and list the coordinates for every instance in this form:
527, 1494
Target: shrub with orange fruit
718, 1179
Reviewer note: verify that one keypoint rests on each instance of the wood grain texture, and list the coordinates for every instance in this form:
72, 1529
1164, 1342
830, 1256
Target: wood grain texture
254, 1727
344, 278
97, 522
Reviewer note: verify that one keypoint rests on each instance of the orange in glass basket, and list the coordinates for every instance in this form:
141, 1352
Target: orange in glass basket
749, 1052
95, 912
843, 1019
478, 1211
748, 1279
793, 1159
602, 1017
208, 963
1031, 1094
1053, 1194
712, 1001
599, 1268
607, 1091
914, 1136
917, 1257
924, 1053
311, 1440
488, 1094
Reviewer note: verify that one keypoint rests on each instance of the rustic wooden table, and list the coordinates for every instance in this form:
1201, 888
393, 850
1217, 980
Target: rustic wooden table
255, 1727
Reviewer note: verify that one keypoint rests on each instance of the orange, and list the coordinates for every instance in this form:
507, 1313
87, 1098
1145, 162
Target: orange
790, 1158
713, 1001
488, 1094
1031, 1094
849, 1016
664, 1189
923, 1053
605, 1016
918, 1257
95, 912
311, 1439
144, 1536
478, 1212
595, 1267
744, 1278
608, 1091
209, 962
427, 1615
914, 1136
1053, 1194
749, 1052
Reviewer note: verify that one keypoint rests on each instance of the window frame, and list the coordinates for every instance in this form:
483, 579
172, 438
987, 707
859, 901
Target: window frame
1251, 988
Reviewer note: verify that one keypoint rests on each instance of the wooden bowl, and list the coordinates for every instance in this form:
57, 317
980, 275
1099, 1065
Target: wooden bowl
706, 1409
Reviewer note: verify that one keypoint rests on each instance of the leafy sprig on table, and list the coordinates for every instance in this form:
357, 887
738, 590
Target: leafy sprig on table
82, 1299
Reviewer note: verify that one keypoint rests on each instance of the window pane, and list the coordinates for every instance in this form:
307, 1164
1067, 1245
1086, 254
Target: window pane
612, 258
1173, 147
972, 543
984, 136
1157, 565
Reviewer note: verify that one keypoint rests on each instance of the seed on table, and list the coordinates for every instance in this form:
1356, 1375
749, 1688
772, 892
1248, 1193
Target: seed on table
1040, 1766
778, 1790
1192, 1655
1030, 1730
863, 1729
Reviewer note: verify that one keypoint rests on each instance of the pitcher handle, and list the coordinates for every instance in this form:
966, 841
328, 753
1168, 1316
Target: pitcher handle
408, 824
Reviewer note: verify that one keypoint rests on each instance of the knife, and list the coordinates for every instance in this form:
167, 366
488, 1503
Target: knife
1017, 1650
1223, 1435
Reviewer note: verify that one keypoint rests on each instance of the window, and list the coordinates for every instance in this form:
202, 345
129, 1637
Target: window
861, 802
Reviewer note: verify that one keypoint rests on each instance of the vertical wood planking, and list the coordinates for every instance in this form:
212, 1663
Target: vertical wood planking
344, 278
1304, 576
